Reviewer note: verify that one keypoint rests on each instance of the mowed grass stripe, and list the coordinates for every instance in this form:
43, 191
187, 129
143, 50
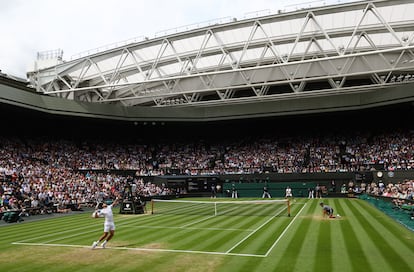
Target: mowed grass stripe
395, 228
263, 239
64, 230
247, 223
189, 208
394, 239
181, 220
219, 221
264, 235
387, 252
45, 231
203, 238
374, 257
390, 228
209, 208
199, 239
69, 229
232, 222
159, 220
323, 261
168, 219
353, 256
142, 237
278, 229
130, 234
171, 236
74, 236
75, 231
240, 209
394, 242
148, 235
217, 241
221, 241
20, 231
298, 244
190, 239
210, 222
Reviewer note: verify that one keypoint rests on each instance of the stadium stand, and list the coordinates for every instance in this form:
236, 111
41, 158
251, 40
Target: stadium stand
38, 173
351, 127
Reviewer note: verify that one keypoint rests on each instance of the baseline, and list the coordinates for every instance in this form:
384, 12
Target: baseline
143, 249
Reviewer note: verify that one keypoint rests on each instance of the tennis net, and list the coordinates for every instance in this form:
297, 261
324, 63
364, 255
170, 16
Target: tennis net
248, 207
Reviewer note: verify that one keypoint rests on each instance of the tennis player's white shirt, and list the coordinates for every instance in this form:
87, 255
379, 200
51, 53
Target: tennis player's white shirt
109, 218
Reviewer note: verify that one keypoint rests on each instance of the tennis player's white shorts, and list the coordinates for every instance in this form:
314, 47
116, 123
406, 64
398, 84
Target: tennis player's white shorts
108, 227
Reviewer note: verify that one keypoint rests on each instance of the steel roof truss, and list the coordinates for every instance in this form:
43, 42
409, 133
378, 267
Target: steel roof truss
298, 37
85, 68
115, 76
64, 81
260, 60
224, 55
200, 51
101, 75
374, 10
275, 68
325, 34
160, 53
371, 8
136, 56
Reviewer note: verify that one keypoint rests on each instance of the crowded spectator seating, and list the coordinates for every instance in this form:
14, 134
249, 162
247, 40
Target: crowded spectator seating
41, 175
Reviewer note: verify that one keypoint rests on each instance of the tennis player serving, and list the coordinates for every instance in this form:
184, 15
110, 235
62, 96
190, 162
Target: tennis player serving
109, 224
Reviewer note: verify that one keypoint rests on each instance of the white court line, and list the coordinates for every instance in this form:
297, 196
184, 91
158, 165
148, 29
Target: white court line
124, 222
143, 249
193, 223
180, 227
128, 222
258, 228
285, 230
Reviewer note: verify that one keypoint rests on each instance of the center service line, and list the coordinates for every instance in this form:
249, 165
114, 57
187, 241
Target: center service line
284, 231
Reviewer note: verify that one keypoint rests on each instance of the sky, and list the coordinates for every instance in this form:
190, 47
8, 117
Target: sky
76, 26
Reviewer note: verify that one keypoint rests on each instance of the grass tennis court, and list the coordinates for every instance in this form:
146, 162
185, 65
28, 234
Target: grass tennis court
362, 239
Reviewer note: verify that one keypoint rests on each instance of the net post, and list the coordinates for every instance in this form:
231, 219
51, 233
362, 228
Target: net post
288, 207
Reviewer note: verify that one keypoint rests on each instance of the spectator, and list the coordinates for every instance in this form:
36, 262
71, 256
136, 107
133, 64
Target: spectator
266, 193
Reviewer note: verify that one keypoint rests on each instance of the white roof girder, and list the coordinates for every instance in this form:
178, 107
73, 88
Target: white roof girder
358, 64
145, 65
220, 61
